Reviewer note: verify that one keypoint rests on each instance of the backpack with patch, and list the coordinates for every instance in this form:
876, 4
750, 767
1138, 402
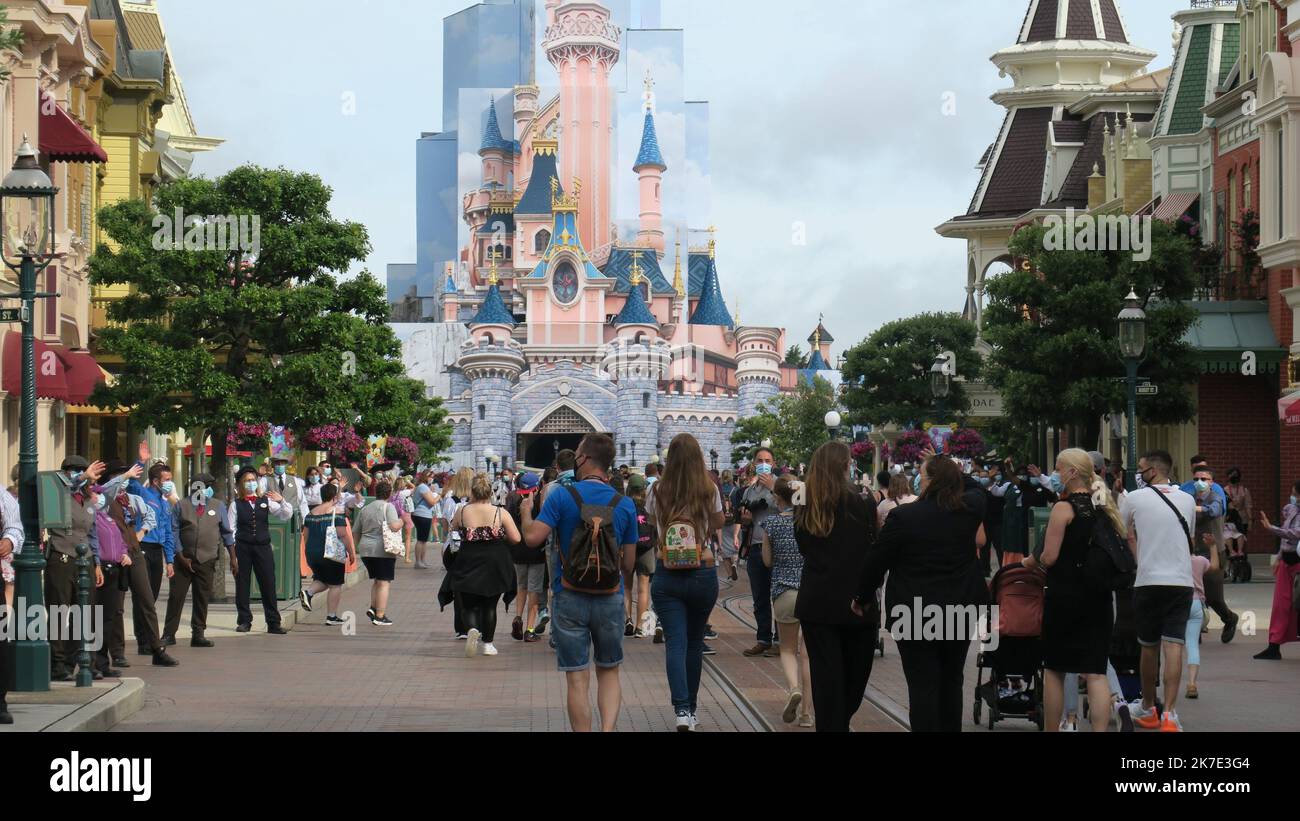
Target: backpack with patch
1109, 565
593, 561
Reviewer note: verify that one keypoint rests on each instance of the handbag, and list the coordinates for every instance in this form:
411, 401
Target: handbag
335, 551
394, 545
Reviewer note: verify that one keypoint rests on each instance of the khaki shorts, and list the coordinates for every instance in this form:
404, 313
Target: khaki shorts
783, 607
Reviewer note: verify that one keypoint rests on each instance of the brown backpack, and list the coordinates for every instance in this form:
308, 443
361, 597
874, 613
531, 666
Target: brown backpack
592, 563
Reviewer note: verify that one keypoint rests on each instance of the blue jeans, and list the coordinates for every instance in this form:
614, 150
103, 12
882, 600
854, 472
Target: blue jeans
760, 586
683, 600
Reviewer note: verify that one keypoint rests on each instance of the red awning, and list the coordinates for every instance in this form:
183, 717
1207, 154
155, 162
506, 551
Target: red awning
207, 451
1173, 207
84, 375
51, 370
63, 139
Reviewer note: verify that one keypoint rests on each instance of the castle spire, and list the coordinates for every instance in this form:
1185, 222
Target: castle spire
712, 308
679, 284
492, 138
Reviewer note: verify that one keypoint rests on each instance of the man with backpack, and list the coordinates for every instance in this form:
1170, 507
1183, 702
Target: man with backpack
1157, 517
596, 536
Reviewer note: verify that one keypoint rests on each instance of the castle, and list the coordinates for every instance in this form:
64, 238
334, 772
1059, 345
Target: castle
558, 319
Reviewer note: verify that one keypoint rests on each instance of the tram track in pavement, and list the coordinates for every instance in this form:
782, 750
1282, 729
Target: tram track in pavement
886, 705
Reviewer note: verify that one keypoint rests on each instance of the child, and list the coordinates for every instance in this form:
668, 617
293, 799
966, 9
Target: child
1200, 564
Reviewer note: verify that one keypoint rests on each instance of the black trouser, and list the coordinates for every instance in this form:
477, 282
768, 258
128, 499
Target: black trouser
7, 664
109, 599
154, 564
760, 587
479, 613
934, 672
992, 545
143, 611
839, 658
200, 578
1213, 581
251, 559
61, 592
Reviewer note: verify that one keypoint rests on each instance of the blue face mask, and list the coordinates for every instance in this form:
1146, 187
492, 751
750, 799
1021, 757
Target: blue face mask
250, 487
985, 481
327, 471
315, 480
279, 470
208, 493
1202, 485
916, 483
763, 469
1058, 487
1293, 501
168, 488
101, 502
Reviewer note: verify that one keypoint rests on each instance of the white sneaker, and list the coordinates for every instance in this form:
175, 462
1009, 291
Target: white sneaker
471, 643
1069, 726
695, 723
489, 649
685, 722
647, 625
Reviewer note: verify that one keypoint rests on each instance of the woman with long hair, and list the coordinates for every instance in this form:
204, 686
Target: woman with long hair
835, 528
1078, 618
482, 571
684, 497
930, 550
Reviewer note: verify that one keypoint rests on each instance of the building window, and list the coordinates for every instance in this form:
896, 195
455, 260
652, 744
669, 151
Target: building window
1281, 180
1246, 201
645, 400
542, 241
482, 411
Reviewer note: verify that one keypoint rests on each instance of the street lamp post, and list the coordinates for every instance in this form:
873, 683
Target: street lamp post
1132, 346
833, 422
940, 386
27, 219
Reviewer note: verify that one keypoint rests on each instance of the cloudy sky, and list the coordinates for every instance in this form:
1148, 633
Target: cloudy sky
826, 116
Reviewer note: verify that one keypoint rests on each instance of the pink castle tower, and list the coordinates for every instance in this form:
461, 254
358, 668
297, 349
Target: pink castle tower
583, 45
650, 168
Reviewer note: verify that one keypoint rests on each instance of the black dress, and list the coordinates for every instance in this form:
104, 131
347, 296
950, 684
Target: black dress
1077, 618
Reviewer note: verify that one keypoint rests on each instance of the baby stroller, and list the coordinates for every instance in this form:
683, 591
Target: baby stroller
1014, 687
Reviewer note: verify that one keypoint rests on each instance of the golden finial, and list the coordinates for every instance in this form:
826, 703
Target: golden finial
713, 241
567, 202
737, 316
678, 285
493, 277
636, 268
817, 337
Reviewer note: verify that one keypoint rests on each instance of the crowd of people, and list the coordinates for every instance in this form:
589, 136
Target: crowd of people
600, 554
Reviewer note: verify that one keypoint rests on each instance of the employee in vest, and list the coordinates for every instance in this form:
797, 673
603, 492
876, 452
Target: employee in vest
61, 565
158, 546
293, 489
250, 519
202, 528
143, 519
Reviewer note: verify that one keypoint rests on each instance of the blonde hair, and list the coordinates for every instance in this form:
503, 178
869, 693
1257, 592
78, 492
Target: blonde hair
1078, 460
481, 489
463, 483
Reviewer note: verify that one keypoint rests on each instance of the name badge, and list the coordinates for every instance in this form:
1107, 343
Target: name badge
212, 513
262, 505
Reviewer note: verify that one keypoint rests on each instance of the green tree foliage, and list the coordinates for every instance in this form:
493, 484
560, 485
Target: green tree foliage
794, 422
887, 376
10, 38
215, 337
1054, 334
796, 358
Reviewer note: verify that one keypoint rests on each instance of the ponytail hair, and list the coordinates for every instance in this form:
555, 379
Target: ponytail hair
1078, 460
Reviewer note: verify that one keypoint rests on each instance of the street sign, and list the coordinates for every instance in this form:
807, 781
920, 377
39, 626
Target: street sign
1148, 389
11, 314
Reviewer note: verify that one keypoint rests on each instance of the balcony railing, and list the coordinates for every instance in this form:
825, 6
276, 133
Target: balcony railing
1218, 284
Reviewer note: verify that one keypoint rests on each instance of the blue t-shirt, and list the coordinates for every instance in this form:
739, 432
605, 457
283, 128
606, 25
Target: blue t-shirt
422, 507
562, 515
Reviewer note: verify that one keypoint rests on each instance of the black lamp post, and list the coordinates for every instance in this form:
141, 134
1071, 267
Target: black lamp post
940, 385
1132, 346
27, 219
833, 422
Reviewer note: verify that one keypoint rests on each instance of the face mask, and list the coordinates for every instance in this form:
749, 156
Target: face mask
315, 480
916, 484
1023, 477
985, 481
564, 476
168, 488
1141, 481
327, 471
250, 487
101, 502
763, 469
1293, 501
74, 476
1202, 485
1058, 487
208, 493
279, 470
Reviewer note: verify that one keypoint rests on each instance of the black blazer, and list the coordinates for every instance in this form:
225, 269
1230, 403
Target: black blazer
832, 565
928, 552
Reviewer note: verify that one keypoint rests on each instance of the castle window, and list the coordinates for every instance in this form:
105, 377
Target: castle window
542, 241
482, 411
645, 400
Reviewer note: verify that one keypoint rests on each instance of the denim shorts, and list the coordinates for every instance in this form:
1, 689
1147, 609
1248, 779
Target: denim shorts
581, 620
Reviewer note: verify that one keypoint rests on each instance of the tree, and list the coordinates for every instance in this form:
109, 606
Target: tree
217, 336
796, 358
887, 376
794, 422
10, 38
1052, 326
